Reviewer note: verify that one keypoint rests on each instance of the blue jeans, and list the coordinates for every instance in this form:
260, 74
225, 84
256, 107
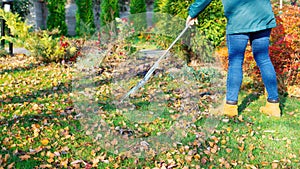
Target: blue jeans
236, 44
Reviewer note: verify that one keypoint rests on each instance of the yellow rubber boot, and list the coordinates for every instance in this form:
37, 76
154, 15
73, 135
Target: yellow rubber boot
271, 109
230, 110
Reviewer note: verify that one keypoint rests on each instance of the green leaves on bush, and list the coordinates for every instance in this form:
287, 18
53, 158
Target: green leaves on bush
138, 14
57, 15
109, 11
84, 17
137, 6
22, 7
212, 22
42, 44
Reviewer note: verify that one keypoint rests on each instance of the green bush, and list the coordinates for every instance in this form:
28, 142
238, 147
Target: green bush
139, 21
43, 45
22, 8
212, 22
84, 17
109, 11
57, 16
137, 6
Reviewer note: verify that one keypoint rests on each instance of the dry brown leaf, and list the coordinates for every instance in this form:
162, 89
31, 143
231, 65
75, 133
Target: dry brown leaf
242, 147
274, 165
10, 166
228, 150
64, 163
227, 165
45, 166
6, 157
50, 160
264, 163
241, 118
24, 157
251, 147
197, 157
50, 155
188, 159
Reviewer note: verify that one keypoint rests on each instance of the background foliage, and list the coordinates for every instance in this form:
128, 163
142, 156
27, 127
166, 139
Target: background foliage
138, 6
57, 16
212, 22
22, 7
84, 17
109, 11
43, 45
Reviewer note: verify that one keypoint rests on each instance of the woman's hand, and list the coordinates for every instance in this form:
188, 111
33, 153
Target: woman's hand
191, 21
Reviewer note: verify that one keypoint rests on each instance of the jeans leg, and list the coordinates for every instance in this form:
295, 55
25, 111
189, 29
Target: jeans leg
236, 44
260, 47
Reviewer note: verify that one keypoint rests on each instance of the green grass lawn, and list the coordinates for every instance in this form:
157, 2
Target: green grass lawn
41, 128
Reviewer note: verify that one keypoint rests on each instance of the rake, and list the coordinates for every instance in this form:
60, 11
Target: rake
142, 82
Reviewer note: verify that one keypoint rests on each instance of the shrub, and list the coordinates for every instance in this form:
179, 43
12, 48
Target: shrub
209, 33
22, 8
84, 17
212, 21
57, 16
285, 46
43, 45
109, 11
138, 7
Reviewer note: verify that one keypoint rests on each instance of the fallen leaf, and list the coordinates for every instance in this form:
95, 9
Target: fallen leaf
242, 147
45, 141
50, 160
264, 163
274, 165
10, 166
188, 159
24, 157
45, 166
228, 150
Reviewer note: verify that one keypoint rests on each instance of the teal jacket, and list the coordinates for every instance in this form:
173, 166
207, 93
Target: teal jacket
242, 15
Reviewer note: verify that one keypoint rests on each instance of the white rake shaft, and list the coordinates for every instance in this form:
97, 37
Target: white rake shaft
153, 68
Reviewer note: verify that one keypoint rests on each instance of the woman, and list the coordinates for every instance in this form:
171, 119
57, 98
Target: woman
247, 20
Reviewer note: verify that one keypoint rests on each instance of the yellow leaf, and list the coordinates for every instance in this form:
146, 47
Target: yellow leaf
251, 147
223, 142
45, 141
197, 156
241, 148
50, 155
50, 160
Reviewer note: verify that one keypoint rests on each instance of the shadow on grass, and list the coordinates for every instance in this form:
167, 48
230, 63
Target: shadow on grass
20, 68
247, 100
62, 88
282, 99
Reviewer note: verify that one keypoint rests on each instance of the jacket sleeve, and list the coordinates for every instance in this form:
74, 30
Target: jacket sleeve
197, 7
